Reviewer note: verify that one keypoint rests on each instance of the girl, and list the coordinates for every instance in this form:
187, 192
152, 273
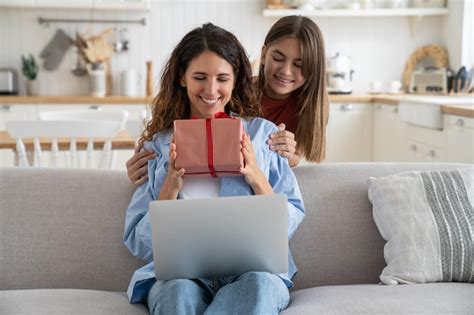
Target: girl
208, 72
292, 91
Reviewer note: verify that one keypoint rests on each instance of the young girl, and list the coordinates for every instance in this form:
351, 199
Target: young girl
292, 92
208, 72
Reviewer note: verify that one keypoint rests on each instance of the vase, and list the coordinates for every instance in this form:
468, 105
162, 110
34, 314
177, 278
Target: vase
32, 87
97, 80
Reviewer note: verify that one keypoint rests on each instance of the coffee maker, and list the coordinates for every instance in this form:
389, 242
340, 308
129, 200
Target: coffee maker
339, 74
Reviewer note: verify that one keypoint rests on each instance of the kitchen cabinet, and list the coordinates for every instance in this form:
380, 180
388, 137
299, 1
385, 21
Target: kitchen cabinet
459, 133
16, 112
424, 144
389, 134
18, 3
349, 133
12, 112
83, 4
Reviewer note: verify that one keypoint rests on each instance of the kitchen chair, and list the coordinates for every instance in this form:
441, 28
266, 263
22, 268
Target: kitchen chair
61, 133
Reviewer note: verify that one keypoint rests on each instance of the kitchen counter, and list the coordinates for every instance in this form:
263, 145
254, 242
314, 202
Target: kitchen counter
391, 99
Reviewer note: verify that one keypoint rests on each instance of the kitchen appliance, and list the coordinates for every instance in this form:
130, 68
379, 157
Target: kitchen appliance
339, 75
8, 82
428, 81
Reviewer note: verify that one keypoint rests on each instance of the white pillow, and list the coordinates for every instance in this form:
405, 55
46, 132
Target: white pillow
427, 219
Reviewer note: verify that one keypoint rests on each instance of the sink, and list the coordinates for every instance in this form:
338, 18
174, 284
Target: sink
425, 111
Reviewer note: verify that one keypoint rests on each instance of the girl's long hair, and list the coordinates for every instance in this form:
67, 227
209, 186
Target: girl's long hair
172, 101
312, 98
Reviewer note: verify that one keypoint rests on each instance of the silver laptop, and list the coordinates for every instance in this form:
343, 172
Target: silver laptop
200, 238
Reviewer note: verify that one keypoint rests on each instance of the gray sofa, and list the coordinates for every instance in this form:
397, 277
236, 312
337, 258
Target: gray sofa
61, 248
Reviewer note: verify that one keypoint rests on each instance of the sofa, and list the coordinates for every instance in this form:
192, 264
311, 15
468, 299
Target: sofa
61, 248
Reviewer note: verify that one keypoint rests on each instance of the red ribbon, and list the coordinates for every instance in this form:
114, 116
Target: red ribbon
210, 149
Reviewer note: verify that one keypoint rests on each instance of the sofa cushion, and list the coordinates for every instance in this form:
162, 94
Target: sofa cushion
67, 301
338, 241
431, 298
427, 219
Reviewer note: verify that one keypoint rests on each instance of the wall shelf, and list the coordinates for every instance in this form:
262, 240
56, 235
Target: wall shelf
410, 12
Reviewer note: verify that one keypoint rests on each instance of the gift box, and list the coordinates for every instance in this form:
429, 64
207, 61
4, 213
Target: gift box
209, 147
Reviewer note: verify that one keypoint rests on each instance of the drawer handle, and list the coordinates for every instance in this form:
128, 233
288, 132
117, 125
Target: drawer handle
460, 122
413, 147
6, 108
378, 106
94, 107
395, 110
347, 107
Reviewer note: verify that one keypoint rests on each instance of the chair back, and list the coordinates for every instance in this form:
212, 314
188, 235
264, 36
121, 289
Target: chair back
60, 134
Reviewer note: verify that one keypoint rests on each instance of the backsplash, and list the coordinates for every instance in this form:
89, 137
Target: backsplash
378, 46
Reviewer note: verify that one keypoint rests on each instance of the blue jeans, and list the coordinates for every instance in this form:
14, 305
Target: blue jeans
249, 293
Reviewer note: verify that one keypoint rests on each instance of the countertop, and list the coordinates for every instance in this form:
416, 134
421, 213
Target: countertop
391, 99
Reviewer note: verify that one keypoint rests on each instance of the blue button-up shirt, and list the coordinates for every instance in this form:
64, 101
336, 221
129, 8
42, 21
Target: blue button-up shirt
137, 235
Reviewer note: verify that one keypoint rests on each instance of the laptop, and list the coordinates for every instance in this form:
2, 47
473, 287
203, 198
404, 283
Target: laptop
223, 236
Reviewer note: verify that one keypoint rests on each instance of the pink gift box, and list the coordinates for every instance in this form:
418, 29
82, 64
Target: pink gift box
209, 147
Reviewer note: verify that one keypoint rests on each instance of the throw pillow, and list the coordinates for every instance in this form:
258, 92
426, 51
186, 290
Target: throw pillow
427, 219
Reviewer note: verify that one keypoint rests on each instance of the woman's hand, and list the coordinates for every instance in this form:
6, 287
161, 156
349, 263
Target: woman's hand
252, 173
174, 179
283, 142
137, 165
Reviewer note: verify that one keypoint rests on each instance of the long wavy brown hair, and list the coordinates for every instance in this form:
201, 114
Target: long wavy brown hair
312, 97
172, 101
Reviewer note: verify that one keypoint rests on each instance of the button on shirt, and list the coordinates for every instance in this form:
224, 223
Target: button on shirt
137, 234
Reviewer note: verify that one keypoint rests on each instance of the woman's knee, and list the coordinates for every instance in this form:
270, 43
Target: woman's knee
260, 280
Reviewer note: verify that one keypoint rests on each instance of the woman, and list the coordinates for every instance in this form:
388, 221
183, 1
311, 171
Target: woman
208, 72
292, 91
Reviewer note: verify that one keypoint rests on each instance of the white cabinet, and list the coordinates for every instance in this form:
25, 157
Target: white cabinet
349, 133
459, 133
424, 144
82, 4
389, 134
18, 3
13, 112
16, 112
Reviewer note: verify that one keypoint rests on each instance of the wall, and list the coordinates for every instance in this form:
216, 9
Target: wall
378, 46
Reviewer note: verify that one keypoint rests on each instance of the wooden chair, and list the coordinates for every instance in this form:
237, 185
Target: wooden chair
63, 133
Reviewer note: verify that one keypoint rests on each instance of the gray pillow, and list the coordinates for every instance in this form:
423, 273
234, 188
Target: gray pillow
427, 219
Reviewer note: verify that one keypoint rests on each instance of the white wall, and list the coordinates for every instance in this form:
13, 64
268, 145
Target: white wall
377, 46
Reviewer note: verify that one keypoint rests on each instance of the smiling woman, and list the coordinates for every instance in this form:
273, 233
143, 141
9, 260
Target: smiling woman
209, 72
209, 81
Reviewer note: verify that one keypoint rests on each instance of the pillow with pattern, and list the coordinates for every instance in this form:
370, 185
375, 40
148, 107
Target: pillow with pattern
427, 220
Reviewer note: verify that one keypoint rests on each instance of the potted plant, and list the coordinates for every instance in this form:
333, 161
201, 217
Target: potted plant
30, 71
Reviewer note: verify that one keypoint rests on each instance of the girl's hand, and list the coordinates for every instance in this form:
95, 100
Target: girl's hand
137, 165
174, 179
252, 173
283, 142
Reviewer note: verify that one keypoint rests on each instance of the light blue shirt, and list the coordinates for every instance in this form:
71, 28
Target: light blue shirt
137, 234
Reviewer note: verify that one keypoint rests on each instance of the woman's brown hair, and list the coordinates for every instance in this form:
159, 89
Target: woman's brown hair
312, 98
172, 101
